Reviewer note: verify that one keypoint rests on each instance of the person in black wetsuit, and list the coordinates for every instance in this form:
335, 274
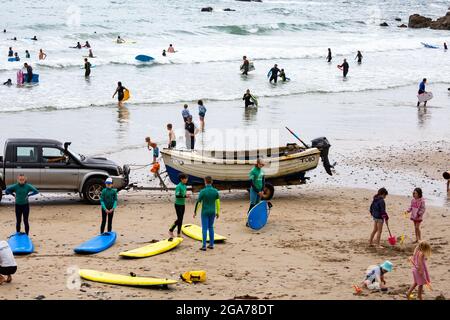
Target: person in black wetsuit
245, 65
120, 92
10, 52
8, 83
274, 73
191, 131
78, 46
27, 54
29, 72
445, 46
87, 45
344, 67
34, 38
164, 53
87, 67
329, 57
359, 56
248, 99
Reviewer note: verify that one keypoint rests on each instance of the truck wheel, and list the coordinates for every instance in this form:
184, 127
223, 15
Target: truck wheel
268, 191
92, 190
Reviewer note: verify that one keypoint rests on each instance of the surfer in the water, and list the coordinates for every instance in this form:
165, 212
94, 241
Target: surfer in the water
164, 53
329, 57
42, 55
245, 65
120, 40
16, 56
171, 49
274, 74
108, 202
22, 190
248, 99
180, 204
29, 72
78, 46
445, 46
87, 68
120, 91
283, 76
87, 45
27, 54
8, 83
359, 56
209, 200
34, 38
422, 90
344, 67
257, 182
91, 55
10, 52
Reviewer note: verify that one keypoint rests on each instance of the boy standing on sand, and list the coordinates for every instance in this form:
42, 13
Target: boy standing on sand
8, 265
180, 204
210, 202
22, 191
108, 201
256, 176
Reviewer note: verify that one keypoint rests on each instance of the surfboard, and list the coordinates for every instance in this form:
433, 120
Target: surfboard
254, 100
144, 58
111, 278
257, 217
430, 46
195, 232
35, 78
425, 96
12, 59
20, 77
269, 74
126, 95
97, 244
153, 248
20, 244
251, 67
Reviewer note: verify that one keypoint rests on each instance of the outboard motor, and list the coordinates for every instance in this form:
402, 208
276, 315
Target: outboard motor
323, 145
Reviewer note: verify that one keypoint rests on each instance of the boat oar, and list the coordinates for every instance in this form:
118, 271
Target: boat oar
297, 137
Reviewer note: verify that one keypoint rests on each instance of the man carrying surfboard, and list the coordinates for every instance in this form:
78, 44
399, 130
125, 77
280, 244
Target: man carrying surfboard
108, 202
210, 202
422, 91
245, 65
249, 99
180, 204
22, 190
257, 182
273, 74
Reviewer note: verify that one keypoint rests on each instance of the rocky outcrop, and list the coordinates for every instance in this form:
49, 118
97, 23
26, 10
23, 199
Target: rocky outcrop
398, 19
207, 9
228, 9
418, 21
384, 24
403, 26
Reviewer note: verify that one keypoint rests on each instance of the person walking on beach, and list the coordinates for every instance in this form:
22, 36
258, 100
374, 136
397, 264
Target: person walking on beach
87, 68
248, 99
417, 211
257, 182
273, 74
329, 57
172, 138
180, 204
359, 56
29, 72
22, 190
108, 202
120, 91
201, 114
344, 67
8, 264
185, 113
378, 211
422, 90
191, 132
42, 55
245, 65
209, 200
419, 269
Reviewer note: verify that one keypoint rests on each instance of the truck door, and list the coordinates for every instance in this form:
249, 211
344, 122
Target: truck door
59, 171
26, 161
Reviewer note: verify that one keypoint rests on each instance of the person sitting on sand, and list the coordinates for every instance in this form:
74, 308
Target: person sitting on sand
8, 83
172, 137
8, 265
417, 210
257, 182
422, 90
42, 55
374, 277
209, 200
108, 202
180, 204
419, 270
171, 49
378, 210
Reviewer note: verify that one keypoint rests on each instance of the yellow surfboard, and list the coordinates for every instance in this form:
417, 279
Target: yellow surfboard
152, 249
126, 95
111, 278
195, 232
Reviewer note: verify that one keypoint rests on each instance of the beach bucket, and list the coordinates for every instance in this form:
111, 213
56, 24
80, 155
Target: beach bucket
194, 276
392, 240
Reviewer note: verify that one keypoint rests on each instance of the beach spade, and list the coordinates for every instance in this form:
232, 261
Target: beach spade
392, 239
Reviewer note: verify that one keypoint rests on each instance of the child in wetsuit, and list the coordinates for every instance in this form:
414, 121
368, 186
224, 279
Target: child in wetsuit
108, 202
180, 204
248, 99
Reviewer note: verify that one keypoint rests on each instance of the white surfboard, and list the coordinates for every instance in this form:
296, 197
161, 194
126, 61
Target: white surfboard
425, 96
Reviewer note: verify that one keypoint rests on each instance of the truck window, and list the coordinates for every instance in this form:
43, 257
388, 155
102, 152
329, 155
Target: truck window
53, 155
26, 154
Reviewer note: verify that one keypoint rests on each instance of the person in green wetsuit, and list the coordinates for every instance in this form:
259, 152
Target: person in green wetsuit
257, 183
22, 191
108, 201
180, 202
210, 202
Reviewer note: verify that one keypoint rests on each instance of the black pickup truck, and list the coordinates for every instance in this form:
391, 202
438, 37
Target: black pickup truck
51, 166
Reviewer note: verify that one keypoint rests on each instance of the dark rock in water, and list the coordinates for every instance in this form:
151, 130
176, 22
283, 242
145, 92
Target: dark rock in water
403, 26
418, 21
228, 9
207, 9
384, 24
250, 0
398, 19
40, 297
442, 23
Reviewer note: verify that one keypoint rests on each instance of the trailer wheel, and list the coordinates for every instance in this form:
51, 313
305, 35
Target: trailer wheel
268, 191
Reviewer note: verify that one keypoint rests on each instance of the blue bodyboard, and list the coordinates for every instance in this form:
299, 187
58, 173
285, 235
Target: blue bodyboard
97, 244
20, 244
257, 217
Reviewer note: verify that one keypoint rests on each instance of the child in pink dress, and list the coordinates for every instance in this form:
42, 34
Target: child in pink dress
419, 269
417, 210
